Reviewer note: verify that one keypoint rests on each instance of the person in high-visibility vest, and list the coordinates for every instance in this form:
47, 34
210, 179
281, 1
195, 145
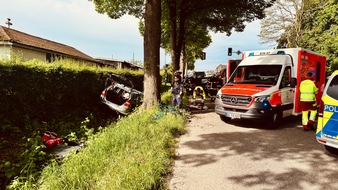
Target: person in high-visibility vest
308, 91
198, 91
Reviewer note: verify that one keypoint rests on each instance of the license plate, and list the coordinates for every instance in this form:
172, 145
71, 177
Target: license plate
232, 115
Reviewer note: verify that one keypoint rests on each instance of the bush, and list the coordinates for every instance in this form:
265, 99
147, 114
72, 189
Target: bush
36, 96
134, 153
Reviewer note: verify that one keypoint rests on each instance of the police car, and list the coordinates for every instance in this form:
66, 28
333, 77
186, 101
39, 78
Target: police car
327, 126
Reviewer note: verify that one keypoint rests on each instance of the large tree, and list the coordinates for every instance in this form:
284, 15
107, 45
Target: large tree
150, 11
310, 24
321, 30
196, 39
215, 15
283, 23
183, 16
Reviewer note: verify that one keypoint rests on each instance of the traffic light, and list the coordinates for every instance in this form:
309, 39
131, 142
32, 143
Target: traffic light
204, 55
229, 51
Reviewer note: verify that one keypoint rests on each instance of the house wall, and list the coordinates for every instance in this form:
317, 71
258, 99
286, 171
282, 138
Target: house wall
28, 54
4, 52
9, 51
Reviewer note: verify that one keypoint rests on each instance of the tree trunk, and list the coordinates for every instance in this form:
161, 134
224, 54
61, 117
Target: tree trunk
184, 62
177, 37
173, 35
181, 36
152, 40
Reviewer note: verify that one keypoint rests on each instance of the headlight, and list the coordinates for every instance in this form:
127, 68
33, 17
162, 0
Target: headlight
219, 94
262, 98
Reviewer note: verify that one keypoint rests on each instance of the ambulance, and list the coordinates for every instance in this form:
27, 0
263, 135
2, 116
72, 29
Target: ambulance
265, 85
327, 125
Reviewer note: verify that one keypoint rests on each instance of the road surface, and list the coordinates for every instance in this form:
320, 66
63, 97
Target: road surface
214, 155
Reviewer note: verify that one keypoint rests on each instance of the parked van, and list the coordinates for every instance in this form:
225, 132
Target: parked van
327, 125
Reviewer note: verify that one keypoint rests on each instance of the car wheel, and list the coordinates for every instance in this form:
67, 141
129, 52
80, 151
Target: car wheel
331, 149
274, 121
225, 119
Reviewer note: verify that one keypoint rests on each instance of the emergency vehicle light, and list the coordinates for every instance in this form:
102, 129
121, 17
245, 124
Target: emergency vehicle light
265, 104
273, 52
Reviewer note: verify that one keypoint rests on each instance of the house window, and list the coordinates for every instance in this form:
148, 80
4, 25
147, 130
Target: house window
48, 57
52, 57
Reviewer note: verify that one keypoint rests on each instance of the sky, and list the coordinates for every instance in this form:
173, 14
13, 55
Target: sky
76, 23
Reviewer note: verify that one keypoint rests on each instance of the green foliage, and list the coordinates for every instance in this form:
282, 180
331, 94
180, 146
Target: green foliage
62, 97
53, 93
117, 8
310, 24
321, 32
28, 168
134, 153
166, 98
195, 18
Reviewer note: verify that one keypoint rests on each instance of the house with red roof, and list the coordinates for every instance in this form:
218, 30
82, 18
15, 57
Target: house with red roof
14, 42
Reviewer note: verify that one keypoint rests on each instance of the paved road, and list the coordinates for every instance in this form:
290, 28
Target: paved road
214, 155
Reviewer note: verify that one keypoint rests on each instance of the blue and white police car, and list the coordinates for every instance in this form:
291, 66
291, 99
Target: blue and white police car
327, 126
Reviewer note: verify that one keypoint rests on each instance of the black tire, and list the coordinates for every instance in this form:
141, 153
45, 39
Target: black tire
331, 149
274, 121
225, 119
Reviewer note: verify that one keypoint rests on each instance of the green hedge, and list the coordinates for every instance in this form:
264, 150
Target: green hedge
52, 93
36, 96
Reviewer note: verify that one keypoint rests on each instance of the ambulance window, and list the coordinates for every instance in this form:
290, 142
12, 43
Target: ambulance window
332, 88
286, 79
318, 72
239, 75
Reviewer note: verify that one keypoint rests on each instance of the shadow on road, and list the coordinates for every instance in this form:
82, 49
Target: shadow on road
289, 143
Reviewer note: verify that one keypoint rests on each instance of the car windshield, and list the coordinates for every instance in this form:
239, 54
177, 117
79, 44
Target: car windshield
332, 88
256, 74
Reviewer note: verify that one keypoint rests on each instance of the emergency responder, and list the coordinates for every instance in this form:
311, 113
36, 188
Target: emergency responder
177, 91
308, 91
198, 91
215, 83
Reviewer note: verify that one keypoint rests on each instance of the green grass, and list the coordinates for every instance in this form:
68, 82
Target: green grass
166, 98
134, 153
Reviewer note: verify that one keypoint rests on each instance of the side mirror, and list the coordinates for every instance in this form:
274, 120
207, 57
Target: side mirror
293, 82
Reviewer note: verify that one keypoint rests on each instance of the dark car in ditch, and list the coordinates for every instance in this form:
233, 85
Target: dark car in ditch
119, 95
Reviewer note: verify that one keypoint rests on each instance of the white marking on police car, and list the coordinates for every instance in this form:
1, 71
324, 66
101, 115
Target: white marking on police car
331, 108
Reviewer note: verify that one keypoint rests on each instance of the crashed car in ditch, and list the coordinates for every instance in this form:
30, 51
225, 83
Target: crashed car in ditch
119, 95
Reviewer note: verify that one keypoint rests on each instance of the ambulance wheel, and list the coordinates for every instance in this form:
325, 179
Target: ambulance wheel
331, 149
225, 119
274, 120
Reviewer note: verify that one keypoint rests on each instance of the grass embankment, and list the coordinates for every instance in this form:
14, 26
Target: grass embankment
134, 153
